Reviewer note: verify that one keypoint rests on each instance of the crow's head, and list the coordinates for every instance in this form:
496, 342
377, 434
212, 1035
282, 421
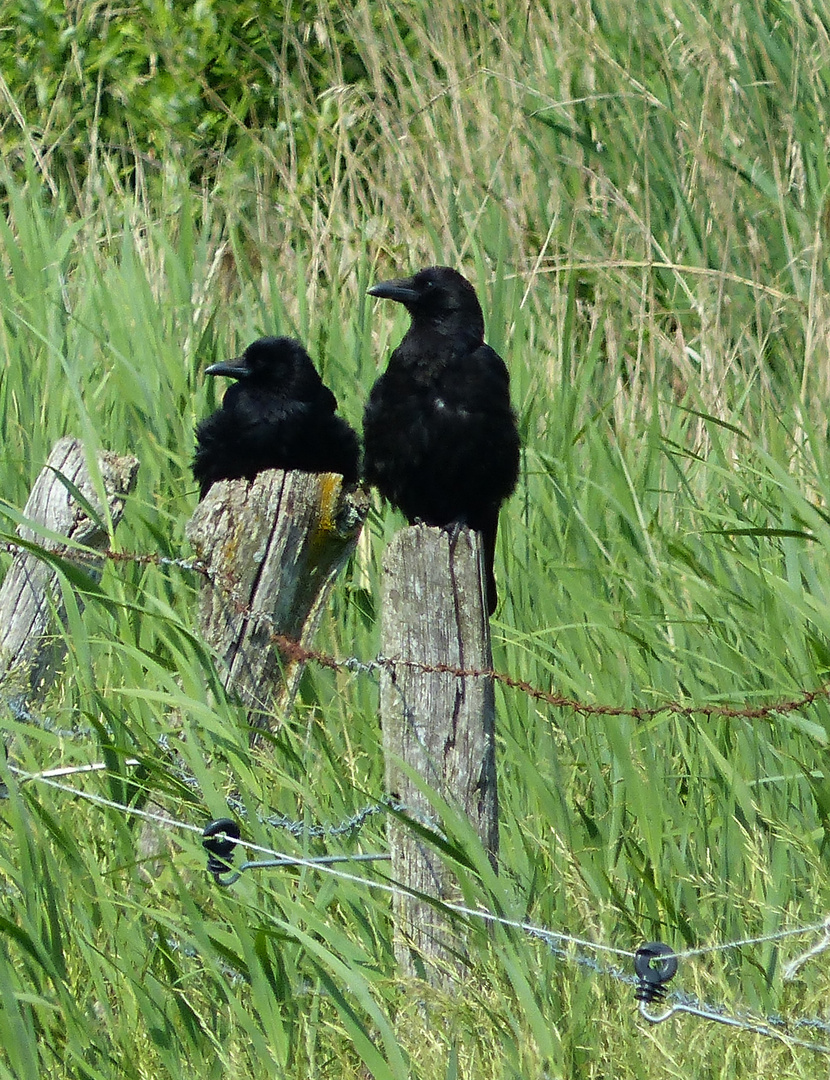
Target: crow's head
439, 295
273, 363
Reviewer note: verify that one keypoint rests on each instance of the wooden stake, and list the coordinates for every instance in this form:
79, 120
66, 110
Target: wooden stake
439, 726
272, 549
30, 653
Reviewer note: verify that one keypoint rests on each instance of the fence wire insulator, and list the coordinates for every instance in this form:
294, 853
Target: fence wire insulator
219, 840
655, 965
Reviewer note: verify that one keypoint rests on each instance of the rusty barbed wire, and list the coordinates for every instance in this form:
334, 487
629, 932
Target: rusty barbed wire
82, 554
294, 651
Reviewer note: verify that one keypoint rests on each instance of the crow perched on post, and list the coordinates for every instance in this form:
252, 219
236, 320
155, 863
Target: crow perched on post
278, 415
440, 436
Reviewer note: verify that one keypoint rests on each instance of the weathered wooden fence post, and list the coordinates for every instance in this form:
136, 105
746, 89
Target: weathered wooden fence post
30, 652
438, 724
271, 549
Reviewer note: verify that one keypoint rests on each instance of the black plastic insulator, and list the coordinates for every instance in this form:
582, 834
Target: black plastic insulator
656, 965
219, 840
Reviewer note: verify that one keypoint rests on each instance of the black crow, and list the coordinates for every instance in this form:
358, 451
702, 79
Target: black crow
440, 436
278, 415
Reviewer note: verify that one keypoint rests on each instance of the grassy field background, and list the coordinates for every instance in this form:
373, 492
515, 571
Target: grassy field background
641, 199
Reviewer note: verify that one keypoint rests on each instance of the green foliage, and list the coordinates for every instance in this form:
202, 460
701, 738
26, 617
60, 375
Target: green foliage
159, 80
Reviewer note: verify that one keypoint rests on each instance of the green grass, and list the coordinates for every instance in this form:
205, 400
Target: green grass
640, 197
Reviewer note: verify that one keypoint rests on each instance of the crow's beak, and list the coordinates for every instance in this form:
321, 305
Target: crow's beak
401, 290
233, 369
